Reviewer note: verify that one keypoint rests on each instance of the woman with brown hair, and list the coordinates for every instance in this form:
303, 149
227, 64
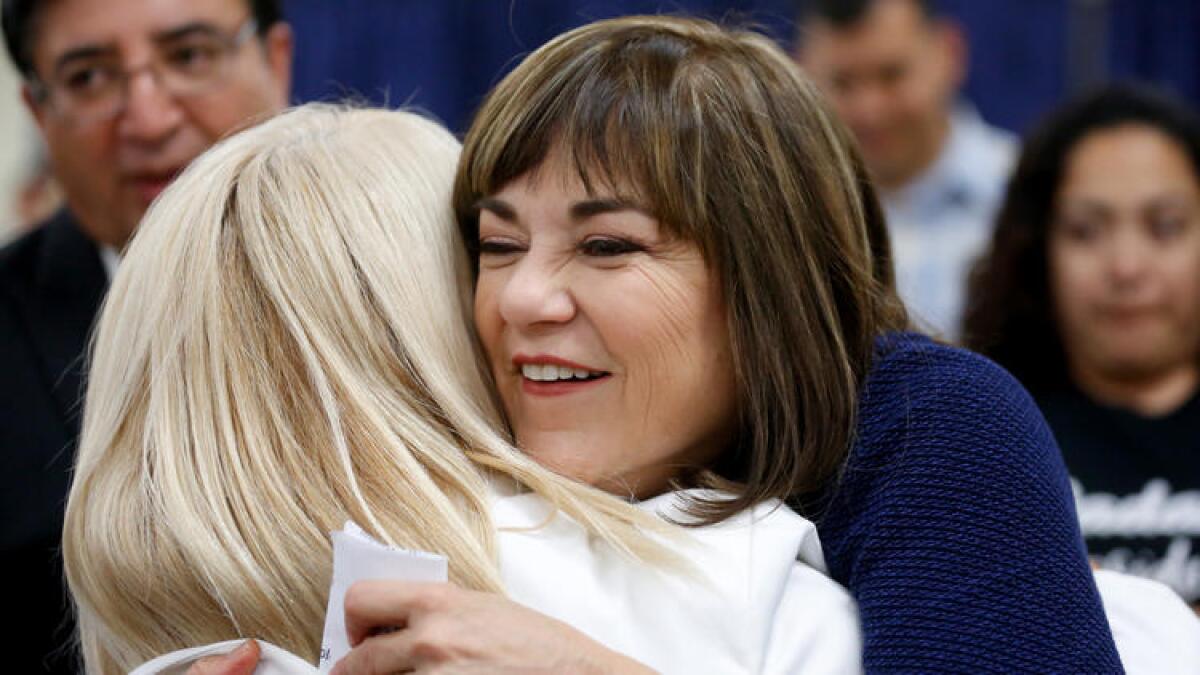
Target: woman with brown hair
683, 280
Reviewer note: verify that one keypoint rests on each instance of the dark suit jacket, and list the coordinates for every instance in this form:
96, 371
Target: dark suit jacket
51, 284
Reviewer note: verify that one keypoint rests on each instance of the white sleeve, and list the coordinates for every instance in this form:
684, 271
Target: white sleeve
274, 660
1155, 632
815, 630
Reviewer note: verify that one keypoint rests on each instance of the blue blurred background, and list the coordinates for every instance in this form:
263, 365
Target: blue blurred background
443, 55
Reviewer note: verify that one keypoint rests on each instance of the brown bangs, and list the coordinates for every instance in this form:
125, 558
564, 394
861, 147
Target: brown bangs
622, 112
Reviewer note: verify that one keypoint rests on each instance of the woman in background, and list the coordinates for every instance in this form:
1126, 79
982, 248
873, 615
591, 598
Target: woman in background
1090, 295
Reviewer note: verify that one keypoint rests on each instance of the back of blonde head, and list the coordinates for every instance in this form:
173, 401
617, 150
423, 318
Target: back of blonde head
287, 346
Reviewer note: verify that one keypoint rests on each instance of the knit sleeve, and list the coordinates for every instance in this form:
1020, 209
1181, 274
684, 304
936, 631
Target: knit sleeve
954, 527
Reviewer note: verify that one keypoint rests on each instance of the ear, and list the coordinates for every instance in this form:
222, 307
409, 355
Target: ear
280, 51
955, 52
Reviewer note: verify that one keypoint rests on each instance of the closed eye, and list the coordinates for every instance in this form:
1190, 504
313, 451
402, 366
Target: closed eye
608, 247
497, 246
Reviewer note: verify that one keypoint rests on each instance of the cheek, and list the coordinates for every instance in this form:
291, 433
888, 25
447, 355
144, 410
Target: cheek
1183, 282
244, 102
1072, 280
487, 314
80, 157
662, 312
675, 344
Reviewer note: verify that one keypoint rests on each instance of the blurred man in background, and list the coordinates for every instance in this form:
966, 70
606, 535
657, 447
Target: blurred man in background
893, 69
125, 94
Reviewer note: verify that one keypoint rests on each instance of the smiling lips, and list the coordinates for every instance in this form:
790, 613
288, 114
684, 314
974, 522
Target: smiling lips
552, 376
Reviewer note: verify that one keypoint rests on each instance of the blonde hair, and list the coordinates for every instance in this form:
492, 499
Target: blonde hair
286, 346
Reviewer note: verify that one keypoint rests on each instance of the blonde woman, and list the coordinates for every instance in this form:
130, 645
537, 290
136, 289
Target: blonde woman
287, 346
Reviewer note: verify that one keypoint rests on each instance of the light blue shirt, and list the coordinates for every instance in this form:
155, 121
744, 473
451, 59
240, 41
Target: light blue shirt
942, 221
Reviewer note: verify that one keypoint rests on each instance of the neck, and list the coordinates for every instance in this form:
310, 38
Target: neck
1152, 395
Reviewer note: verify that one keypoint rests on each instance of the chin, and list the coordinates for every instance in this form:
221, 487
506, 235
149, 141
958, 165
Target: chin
569, 463
1130, 366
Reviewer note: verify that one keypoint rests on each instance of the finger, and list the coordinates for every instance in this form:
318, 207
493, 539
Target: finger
391, 653
241, 661
380, 606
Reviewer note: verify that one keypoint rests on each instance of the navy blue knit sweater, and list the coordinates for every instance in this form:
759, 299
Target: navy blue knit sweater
954, 526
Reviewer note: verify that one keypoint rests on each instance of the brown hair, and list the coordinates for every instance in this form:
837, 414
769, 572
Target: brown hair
729, 147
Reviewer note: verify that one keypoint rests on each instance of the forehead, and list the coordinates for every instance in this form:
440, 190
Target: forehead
575, 173
64, 25
1128, 161
890, 29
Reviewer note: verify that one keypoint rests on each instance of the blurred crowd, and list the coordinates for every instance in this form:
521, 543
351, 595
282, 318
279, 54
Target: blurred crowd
1071, 258
1069, 253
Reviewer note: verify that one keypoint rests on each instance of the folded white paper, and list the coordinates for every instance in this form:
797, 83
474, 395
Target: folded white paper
356, 557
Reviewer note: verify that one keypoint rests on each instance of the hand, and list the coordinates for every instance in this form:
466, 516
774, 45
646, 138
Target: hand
241, 661
406, 627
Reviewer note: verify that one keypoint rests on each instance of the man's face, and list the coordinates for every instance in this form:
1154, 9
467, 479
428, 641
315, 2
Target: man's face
112, 167
892, 76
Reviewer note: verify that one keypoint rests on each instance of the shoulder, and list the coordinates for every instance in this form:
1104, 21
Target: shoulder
914, 363
815, 628
18, 258
927, 388
938, 422
771, 557
955, 497
55, 243
994, 149
770, 533
20, 264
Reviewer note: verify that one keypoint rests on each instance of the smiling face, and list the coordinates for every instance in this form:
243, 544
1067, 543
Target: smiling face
606, 335
1124, 252
111, 169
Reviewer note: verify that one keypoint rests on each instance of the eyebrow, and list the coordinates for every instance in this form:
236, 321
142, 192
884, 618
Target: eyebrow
501, 208
95, 51
186, 30
595, 207
84, 53
1171, 200
579, 210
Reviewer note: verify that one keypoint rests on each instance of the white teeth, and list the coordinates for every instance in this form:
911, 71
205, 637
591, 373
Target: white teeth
551, 373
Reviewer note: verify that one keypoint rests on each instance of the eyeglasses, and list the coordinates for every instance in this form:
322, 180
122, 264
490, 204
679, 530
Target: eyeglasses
93, 89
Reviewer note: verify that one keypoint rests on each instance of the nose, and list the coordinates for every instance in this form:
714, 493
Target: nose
537, 294
151, 113
1129, 258
866, 105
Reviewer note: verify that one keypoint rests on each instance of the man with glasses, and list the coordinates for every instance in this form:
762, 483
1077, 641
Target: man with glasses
125, 93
